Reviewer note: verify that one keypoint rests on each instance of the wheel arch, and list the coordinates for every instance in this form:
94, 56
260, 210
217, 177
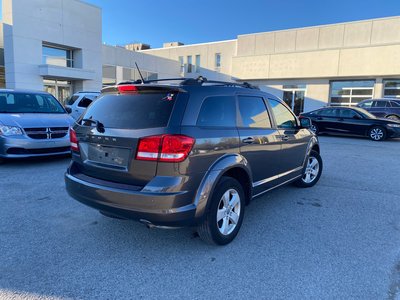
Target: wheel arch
232, 165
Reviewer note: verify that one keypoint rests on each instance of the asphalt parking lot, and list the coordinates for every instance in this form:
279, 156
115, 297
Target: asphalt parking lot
337, 240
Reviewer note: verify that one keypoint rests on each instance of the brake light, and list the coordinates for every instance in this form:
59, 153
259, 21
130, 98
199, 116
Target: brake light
74, 140
165, 148
127, 88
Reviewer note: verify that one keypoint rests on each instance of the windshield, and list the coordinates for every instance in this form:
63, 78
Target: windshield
364, 112
29, 103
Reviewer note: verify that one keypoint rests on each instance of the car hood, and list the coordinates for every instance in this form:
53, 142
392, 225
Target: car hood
27, 120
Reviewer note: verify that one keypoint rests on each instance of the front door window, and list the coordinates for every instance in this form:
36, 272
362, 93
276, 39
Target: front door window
294, 95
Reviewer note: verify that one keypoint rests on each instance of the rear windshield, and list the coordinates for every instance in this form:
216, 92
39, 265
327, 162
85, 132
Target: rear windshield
29, 103
132, 111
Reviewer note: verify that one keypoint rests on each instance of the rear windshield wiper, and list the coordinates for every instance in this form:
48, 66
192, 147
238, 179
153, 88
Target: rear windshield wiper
99, 125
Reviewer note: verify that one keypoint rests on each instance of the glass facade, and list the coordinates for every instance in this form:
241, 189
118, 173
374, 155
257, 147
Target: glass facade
189, 64
294, 95
57, 56
109, 75
391, 88
128, 74
217, 60
61, 89
349, 93
197, 64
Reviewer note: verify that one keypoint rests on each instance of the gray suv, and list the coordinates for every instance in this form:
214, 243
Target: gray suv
191, 154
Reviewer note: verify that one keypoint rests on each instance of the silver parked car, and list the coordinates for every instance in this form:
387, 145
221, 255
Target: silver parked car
32, 124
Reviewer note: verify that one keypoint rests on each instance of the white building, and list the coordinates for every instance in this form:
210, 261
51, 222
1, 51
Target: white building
56, 45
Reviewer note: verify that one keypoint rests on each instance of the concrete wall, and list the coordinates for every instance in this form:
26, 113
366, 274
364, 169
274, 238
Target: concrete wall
365, 48
121, 57
29, 23
207, 53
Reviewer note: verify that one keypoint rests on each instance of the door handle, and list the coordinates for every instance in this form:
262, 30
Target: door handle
285, 138
319, 118
248, 140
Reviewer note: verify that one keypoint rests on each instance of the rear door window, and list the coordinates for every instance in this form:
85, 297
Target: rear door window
85, 102
330, 112
253, 112
133, 111
379, 104
219, 111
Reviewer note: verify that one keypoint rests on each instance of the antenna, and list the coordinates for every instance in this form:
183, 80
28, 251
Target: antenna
140, 73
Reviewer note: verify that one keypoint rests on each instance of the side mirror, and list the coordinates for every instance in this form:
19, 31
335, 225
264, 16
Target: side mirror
305, 122
68, 109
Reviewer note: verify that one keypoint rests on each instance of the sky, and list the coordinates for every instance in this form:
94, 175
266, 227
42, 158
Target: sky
157, 21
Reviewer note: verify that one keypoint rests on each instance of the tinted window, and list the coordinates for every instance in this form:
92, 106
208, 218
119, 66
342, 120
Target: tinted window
29, 103
135, 111
330, 112
71, 100
218, 111
253, 112
366, 104
395, 104
347, 113
379, 104
284, 118
85, 102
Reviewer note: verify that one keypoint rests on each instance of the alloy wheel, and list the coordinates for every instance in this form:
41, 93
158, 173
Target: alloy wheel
312, 170
228, 212
376, 134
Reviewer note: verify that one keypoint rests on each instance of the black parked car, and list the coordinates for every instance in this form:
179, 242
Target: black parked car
353, 121
382, 108
192, 154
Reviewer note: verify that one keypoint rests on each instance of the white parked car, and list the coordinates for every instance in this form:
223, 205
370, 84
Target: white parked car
78, 102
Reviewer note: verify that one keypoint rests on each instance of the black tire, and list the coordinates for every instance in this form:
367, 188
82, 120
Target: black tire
394, 118
377, 133
209, 228
303, 182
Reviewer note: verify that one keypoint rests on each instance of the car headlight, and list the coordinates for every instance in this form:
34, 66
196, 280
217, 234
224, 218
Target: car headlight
10, 130
393, 125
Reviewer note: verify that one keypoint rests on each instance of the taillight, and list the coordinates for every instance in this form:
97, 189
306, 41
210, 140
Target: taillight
148, 148
74, 140
165, 148
127, 88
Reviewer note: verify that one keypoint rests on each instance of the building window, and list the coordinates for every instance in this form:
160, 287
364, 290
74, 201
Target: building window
57, 56
197, 69
349, 93
294, 95
181, 65
109, 75
217, 60
391, 88
189, 64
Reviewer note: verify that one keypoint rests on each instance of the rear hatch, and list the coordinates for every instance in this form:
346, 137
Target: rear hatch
109, 132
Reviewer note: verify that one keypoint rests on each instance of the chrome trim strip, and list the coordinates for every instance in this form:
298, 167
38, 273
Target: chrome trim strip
274, 187
263, 181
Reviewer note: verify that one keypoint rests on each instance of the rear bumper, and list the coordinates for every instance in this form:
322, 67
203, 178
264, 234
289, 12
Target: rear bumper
22, 146
174, 209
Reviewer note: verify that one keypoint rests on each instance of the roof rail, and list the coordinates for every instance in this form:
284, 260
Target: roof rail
194, 81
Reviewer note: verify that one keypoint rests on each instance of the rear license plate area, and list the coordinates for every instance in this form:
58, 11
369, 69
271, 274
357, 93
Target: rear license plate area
108, 155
